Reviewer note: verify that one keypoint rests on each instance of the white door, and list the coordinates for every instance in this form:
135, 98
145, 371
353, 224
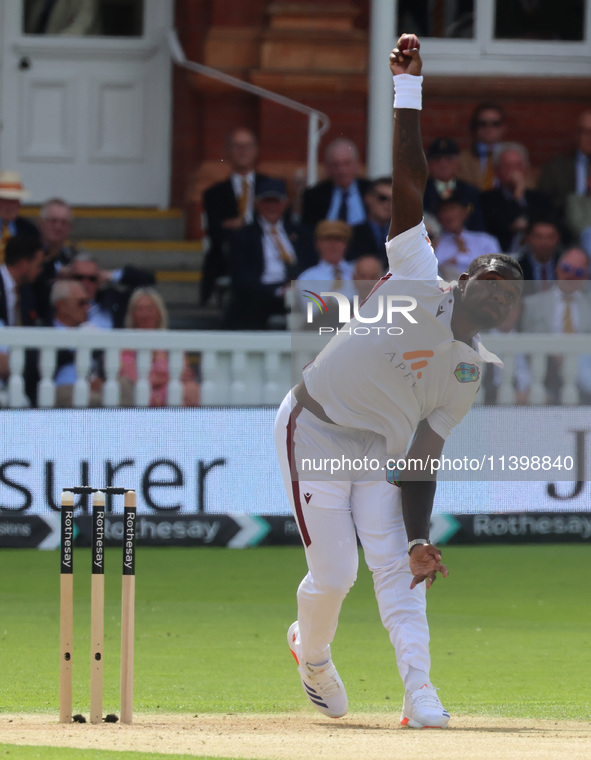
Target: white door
87, 118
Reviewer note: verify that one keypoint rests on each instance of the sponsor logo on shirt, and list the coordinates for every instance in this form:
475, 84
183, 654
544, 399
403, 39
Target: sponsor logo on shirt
467, 373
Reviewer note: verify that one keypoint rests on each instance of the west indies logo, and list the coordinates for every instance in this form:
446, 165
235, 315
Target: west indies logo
467, 373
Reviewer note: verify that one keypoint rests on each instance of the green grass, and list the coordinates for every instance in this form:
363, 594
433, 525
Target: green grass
510, 629
13, 751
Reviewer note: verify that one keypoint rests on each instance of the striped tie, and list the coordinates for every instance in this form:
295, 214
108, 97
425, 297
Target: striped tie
567, 319
286, 256
488, 178
338, 277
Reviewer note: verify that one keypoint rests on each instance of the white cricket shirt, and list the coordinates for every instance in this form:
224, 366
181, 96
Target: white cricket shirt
388, 383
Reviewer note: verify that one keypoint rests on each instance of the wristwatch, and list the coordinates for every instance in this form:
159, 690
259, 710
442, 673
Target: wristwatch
414, 542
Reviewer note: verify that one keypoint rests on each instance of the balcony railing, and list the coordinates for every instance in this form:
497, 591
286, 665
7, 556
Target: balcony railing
241, 368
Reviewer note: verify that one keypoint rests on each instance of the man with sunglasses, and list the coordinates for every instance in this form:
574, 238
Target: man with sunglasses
487, 127
369, 237
108, 291
565, 308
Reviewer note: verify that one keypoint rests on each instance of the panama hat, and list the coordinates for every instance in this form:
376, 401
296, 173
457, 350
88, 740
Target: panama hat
11, 187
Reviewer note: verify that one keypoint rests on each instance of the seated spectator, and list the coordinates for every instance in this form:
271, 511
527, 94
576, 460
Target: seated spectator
368, 270
229, 205
457, 247
487, 127
540, 255
146, 311
108, 291
70, 305
563, 309
55, 226
22, 264
264, 257
508, 208
370, 236
341, 196
577, 215
443, 182
12, 193
568, 174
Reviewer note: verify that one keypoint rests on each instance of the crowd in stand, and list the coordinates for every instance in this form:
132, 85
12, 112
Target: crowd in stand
46, 281
480, 200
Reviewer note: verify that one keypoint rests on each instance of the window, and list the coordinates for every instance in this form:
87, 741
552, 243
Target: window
478, 36
76, 18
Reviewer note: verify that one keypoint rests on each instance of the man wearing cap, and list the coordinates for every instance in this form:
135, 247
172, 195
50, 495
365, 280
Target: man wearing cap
12, 193
264, 257
370, 236
457, 247
443, 182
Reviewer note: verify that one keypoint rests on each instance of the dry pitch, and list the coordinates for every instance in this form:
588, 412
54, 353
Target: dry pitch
294, 736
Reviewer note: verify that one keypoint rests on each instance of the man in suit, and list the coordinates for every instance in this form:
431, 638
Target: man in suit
565, 308
264, 257
539, 256
229, 205
569, 174
12, 192
508, 208
443, 182
22, 264
370, 236
341, 196
487, 127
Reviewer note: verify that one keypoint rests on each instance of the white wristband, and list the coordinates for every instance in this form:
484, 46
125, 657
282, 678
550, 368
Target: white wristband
408, 91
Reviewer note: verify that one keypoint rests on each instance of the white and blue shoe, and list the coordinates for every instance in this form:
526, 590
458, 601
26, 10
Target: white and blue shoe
321, 683
422, 708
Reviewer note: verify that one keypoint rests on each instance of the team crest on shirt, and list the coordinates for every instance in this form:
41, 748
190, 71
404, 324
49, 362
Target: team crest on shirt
467, 373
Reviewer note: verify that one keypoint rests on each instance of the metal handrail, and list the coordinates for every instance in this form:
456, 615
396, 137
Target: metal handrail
318, 122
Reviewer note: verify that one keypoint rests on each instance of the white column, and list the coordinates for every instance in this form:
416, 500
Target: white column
382, 37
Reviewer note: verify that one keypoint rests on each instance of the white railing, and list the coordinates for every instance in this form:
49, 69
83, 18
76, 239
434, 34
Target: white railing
318, 122
239, 368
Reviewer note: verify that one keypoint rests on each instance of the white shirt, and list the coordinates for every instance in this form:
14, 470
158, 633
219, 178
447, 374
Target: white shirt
380, 382
237, 187
453, 261
321, 277
274, 271
10, 288
355, 208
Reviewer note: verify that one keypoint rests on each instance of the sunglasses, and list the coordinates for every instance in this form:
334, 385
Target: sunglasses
576, 271
491, 123
381, 197
82, 277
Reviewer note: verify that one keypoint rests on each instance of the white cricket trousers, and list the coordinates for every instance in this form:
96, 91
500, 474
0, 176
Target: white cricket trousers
330, 514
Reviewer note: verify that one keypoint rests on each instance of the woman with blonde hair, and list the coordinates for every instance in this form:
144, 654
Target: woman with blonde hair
146, 311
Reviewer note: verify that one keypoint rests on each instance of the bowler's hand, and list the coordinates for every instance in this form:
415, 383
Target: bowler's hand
425, 563
405, 61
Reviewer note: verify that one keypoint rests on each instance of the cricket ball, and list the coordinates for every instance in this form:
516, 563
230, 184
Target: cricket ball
408, 42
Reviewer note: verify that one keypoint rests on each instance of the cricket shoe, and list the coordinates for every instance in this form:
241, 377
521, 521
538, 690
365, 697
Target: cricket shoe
422, 708
321, 683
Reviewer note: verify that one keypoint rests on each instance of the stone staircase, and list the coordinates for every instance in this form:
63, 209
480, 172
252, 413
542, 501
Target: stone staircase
150, 239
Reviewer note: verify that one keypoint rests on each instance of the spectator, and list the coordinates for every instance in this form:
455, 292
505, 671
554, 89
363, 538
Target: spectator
108, 291
563, 309
12, 193
443, 182
341, 195
229, 205
63, 17
370, 236
70, 304
508, 208
368, 270
21, 266
55, 226
540, 255
487, 127
457, 247
146, 311
569, 174
264, 257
